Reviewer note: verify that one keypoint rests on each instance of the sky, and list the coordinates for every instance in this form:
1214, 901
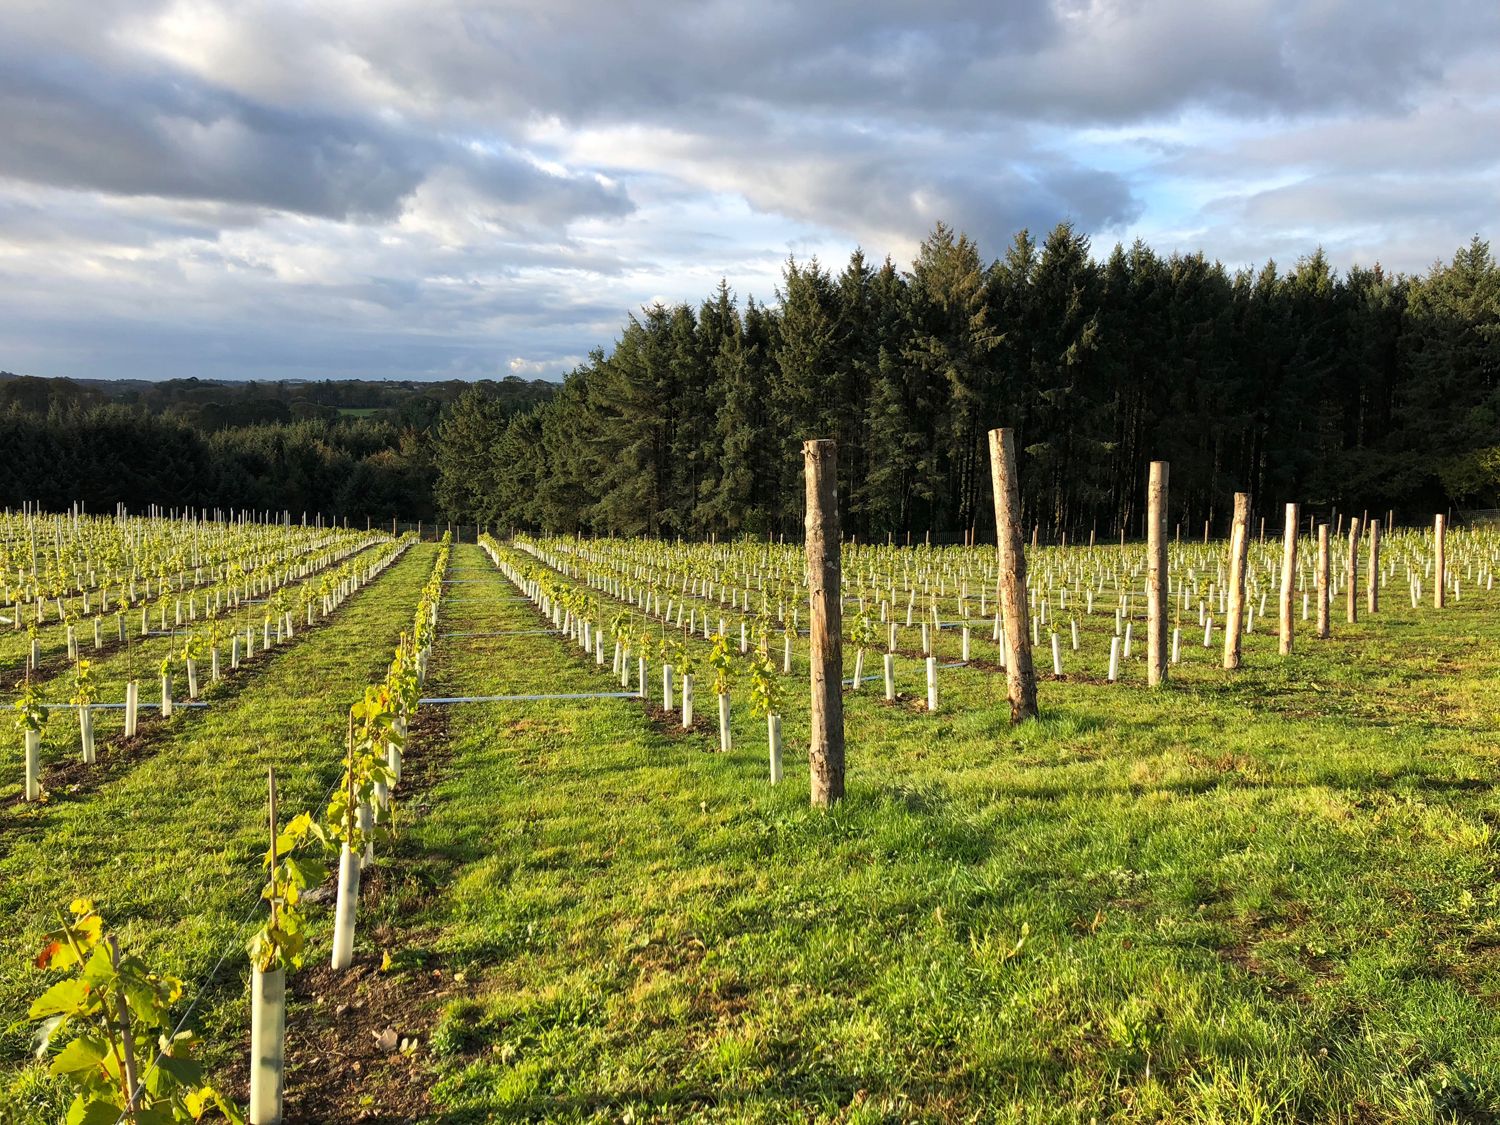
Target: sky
454, 188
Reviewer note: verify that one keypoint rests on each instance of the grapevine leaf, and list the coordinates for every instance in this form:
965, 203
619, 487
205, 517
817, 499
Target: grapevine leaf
65, 998
84, 1053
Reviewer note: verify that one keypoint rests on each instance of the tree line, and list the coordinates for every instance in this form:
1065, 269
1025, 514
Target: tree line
1359, 389
262, 446
105, 455
218, 404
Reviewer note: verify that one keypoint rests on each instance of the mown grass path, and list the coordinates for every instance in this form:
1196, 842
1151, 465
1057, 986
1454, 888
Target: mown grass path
170, 850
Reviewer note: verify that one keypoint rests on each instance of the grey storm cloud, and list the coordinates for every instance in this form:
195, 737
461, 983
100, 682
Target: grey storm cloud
1080, 60
66, 123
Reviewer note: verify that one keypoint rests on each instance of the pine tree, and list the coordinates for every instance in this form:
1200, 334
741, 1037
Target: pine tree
803, 399
1065, 337
1450, 405
466, 439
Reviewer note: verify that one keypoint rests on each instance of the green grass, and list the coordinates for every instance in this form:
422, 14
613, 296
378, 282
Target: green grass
1266, 896
1252, 898
170, 850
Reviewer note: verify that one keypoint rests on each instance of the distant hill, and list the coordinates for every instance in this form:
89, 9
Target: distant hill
211, 405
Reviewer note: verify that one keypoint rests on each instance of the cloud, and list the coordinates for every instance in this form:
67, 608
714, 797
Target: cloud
543, 368
590, 62
268, 186
65, 124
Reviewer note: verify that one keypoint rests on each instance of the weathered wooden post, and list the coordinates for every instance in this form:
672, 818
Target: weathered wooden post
1372, 574
1440, 561
1156, 574
1288, 578
1322, 577
1351, 573
1239, 550
825, 623
1020, 675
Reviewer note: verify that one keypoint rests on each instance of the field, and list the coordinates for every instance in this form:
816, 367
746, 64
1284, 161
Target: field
1262, 895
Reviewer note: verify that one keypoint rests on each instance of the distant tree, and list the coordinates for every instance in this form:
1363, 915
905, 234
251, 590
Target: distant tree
950, 338
518, 457
467, 439
1449, 404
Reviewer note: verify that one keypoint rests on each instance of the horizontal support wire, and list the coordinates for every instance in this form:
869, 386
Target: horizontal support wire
143, 705
507, 633
528, 698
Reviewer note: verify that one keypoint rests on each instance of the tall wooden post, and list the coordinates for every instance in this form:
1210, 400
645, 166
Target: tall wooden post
1440, 560
1351, 573
1020, 676
825, 623
1156, 574
1239, 550
1288, 578
1322, 577
1372, 573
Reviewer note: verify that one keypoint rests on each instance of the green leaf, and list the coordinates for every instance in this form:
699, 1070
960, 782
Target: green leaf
84, 1053
66, 997
307, 872
159, 1114
93, 1110
185, 1071
100, 970
146, 1005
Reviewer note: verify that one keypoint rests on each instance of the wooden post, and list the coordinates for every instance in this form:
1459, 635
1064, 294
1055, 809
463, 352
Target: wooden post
1156, 574
1440, 561
1322, 577
825, 623
1020, 676
1239, 550
1372, 574
1288, 578
1351, 575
